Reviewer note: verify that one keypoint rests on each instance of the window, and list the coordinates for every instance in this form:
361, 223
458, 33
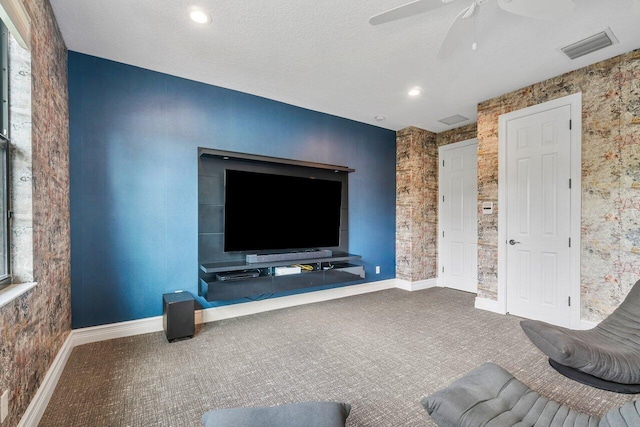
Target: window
5, 271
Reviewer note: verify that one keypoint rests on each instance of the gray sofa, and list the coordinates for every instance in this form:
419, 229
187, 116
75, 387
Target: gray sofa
490, 396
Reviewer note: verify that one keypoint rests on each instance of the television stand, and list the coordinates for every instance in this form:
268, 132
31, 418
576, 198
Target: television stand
339, 268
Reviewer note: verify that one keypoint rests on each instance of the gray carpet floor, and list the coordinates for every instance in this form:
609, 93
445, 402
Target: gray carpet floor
381, 352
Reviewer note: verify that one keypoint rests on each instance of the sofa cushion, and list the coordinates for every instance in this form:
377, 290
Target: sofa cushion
624, 416
490, 396
305, 414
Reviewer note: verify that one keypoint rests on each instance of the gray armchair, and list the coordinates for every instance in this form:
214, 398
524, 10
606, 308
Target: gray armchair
606, 357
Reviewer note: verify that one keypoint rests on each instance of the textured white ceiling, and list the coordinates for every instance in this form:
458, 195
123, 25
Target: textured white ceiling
325, 56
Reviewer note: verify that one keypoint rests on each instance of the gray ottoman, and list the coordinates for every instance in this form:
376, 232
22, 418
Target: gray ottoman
490, 396
305, 414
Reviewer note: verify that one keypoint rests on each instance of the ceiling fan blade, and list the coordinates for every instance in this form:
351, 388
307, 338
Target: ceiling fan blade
539, 9
469, 11
460, 28
406, 10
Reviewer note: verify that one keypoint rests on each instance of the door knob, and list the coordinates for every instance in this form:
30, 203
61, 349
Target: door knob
513, 242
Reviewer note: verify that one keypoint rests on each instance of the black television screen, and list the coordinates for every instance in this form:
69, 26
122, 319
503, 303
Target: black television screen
279, 212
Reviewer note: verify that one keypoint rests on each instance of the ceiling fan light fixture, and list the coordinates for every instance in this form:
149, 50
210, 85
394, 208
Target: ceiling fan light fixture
591, 44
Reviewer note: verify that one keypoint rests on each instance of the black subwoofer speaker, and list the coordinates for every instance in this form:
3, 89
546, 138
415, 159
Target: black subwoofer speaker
178, 318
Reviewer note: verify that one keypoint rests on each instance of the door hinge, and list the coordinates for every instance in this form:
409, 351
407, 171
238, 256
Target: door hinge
443, 268
569, 182
443, 163
570, 124
569, 241
443, 199
569, 301
443, 234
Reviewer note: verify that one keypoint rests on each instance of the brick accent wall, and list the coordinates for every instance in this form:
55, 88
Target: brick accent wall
460, 134
34, 327
417, 199
610, 177
610, 183
416, 204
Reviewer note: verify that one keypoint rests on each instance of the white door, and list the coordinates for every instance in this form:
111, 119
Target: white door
538, 212
458, 219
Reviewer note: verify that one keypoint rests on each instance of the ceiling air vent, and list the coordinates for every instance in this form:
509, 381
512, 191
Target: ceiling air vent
590, 44
454, 120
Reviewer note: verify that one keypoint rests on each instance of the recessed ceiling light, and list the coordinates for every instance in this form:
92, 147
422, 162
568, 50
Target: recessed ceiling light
380, 118
199, 16
413, 92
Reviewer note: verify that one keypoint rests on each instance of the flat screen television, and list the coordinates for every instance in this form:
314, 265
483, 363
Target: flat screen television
268, 212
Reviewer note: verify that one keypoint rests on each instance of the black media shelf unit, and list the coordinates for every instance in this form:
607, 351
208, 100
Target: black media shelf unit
260, 281
337, 269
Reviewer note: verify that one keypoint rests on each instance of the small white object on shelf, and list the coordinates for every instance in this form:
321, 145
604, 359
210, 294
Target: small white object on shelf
284, 271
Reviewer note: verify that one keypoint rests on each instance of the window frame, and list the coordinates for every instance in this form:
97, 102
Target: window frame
5, 155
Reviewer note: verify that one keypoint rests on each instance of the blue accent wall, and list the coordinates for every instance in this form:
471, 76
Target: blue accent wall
134, 135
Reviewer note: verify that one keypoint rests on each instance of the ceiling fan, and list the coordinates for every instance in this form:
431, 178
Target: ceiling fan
463, 26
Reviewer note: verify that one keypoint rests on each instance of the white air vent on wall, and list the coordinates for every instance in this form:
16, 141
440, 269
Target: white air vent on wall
453, 120
590, 44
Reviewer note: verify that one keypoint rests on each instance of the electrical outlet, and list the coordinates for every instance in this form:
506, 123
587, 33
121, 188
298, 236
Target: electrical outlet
4, 406
377, 269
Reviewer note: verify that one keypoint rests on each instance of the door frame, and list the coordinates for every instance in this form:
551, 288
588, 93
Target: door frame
575, 103
441, 149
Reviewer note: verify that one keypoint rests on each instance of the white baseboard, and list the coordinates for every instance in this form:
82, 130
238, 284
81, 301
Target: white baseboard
489, 305
154, 324
116, 330
417, 285
81, 336
254, 307
496, 307
40, 400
